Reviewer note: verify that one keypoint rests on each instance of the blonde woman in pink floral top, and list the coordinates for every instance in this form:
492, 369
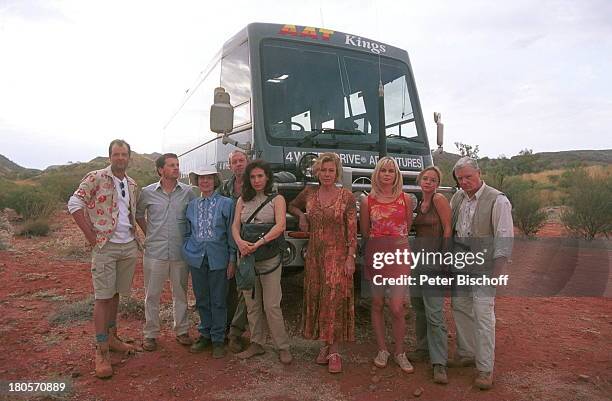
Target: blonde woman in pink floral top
385, 218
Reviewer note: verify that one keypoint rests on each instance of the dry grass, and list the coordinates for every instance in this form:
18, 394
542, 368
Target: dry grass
73, 312
271, 381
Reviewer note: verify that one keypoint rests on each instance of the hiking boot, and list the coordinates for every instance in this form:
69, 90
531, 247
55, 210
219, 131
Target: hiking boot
184, 339
419, 355
103, 361
461, 362
403, 362
115, 343
200, 345
285, 356
439, 374
484, 380
149, 344
381, 358
218, 350
322, 357
235, 344
253, 350
334, 364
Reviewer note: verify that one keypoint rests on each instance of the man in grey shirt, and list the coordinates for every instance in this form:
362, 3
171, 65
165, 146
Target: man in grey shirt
164, 203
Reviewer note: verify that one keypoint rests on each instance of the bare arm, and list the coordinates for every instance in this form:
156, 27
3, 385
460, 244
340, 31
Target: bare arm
85, 225
444, 211
142, 223
364, 218
409, 210
296, 207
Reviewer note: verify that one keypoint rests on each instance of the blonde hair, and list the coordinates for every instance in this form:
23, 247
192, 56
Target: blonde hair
430, 168
398, 184
328, 157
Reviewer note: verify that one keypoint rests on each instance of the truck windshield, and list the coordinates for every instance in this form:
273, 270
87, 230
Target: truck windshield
326, 96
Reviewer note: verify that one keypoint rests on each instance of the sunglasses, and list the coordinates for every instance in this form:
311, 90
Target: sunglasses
122, 186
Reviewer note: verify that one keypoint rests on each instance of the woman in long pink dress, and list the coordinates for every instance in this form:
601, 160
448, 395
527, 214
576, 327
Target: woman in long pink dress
328, 311
385, 218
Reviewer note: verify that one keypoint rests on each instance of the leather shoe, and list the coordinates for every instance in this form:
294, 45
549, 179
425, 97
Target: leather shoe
184, 339
200, 345
218, 350
235, 344
253, 350
484, 380
149, 344
439, 374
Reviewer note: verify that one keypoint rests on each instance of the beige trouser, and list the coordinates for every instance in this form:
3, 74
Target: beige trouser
156, 272
265, 307
474, 314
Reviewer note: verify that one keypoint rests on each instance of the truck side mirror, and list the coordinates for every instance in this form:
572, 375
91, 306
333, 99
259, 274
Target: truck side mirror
221, 113
439, 131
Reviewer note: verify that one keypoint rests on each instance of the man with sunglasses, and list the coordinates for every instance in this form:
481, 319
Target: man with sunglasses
104, 206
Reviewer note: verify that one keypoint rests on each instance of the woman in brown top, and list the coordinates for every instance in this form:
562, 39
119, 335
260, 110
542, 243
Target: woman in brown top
264, 305
329, 312
433, 229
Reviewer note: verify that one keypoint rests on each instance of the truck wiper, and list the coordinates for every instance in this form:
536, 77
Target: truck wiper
333, 131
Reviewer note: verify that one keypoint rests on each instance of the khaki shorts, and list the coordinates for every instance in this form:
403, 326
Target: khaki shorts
112, 269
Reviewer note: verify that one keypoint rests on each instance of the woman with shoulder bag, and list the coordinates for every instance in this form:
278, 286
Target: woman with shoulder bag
258, 228
329, 307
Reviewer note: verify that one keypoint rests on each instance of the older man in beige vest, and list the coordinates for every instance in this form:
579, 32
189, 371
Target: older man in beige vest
482, 222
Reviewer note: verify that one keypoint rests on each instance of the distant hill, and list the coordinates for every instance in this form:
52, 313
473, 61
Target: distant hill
12, 170
540, 161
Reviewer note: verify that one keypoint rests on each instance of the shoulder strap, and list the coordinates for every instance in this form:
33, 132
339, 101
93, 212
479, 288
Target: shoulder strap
264, 203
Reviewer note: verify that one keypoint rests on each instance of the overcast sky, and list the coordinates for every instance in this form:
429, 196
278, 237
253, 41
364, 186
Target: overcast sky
506, 75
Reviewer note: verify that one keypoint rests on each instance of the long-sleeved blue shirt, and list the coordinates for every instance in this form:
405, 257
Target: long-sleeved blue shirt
209, 233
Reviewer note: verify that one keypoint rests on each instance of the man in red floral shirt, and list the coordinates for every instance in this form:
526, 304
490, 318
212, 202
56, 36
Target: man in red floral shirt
104, 206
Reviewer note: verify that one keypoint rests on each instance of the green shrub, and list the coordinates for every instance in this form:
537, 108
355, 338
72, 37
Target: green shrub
589, 201
35, 228
527, 210
31, 202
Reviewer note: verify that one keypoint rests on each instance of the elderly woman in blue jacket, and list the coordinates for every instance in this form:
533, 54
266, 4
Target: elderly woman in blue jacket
210, 252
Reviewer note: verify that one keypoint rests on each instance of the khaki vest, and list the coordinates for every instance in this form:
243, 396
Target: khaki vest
482, 223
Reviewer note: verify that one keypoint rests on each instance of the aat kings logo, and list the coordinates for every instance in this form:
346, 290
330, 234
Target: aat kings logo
325, 34
357, 41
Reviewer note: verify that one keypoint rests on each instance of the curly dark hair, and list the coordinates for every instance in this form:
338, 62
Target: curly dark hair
248, 192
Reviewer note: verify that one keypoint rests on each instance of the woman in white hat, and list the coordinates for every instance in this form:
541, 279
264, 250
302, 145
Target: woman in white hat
210, 252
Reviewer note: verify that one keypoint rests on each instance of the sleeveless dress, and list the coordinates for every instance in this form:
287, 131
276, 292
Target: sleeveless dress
388, 233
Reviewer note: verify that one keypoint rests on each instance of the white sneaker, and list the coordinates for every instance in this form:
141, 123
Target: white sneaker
403, 362
381, 359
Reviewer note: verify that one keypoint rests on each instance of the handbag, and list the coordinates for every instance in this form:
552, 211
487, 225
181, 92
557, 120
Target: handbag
254, 232
245, 274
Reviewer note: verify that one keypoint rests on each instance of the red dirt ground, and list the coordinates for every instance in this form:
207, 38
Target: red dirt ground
543, 347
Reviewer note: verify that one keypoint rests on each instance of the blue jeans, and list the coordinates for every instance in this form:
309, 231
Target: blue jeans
210, 290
